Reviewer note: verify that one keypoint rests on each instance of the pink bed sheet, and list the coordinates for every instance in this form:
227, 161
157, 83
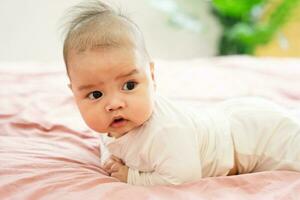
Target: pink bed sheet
47, 152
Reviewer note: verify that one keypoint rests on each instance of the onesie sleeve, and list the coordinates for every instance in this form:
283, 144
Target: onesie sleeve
175, 157
136, 177
104, 153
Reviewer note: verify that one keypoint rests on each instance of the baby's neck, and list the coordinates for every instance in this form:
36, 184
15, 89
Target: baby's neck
115, 135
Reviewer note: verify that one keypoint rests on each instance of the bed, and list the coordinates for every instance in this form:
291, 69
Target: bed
47, 152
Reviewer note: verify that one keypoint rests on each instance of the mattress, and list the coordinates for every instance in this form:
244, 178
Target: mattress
47, 152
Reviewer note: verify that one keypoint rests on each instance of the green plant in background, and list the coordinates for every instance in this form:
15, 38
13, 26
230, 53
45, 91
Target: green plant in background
245, 22
243, 28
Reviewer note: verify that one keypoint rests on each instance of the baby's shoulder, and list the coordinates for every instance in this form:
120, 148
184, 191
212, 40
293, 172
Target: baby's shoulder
167, 111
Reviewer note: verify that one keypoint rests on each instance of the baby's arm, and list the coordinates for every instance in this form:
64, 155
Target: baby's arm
117, 169
175, 157
136, 177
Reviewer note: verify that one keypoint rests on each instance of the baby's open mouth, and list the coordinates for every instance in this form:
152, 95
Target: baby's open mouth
118, 119
118, 122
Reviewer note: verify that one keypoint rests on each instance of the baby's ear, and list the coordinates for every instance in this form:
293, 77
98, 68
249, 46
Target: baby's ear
70, 86
152, 70
152, 74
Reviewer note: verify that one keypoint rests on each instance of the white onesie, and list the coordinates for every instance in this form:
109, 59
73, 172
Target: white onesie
179, 144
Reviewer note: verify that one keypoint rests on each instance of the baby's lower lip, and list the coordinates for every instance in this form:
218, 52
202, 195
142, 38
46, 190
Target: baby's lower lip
118, 124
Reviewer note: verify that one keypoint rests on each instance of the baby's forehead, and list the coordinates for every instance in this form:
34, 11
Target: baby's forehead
112, 61
112, 54
87, 75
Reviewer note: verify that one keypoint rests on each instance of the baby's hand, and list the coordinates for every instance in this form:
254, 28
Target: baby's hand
116, 168
112, 160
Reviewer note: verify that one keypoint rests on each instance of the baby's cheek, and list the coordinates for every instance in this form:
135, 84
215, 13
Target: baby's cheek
95, 120
143, 108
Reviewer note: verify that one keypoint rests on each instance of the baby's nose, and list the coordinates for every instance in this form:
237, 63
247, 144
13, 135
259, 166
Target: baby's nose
114, 105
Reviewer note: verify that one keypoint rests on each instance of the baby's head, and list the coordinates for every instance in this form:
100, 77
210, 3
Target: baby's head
109, 69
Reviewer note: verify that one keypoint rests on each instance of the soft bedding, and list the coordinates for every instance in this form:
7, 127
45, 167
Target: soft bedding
47, 152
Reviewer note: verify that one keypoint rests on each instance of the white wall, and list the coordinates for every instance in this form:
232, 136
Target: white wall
30, 31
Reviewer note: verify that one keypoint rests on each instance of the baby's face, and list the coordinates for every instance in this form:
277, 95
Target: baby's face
113, 88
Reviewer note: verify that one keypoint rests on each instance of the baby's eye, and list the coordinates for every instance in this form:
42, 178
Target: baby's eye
95, 95
130, 85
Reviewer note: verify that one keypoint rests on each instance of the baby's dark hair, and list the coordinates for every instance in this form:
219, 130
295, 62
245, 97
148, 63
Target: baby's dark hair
95, 24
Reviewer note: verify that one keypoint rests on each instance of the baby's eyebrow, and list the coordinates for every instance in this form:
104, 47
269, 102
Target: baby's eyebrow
88, 86
85, 87
132, 72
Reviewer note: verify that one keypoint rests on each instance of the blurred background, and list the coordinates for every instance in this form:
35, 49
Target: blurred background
173, 29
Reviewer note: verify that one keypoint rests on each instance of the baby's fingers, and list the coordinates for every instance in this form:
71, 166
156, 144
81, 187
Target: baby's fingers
108, 164
112, 166
116, 159
115, 167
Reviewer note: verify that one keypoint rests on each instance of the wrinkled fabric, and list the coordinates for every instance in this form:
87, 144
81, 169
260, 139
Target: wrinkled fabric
47, 152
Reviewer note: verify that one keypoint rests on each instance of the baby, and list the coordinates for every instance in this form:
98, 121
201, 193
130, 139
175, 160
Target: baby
151, 140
